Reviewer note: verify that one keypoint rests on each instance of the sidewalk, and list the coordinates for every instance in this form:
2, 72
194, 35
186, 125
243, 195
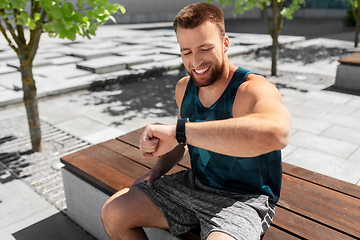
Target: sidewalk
325, 134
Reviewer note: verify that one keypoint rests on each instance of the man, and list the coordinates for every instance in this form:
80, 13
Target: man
235, 128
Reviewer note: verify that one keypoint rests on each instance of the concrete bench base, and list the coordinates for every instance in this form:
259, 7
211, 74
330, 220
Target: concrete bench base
84, 203
348, 77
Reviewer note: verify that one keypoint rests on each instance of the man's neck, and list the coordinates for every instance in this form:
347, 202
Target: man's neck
210, 94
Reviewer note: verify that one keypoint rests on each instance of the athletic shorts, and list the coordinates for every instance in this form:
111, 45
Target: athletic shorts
187, 204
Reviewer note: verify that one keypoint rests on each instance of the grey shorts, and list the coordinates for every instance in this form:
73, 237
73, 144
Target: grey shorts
187, 204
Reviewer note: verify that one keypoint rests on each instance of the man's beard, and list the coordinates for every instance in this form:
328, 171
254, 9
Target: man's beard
215, 75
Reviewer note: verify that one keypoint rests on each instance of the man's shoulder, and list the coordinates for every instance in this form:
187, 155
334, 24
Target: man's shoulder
182, 83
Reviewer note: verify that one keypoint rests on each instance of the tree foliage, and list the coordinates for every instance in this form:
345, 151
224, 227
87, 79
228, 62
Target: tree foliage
355, 8
280, 9
58, 18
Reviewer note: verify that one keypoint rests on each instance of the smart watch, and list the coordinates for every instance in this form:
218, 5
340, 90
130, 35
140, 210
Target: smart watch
180, 130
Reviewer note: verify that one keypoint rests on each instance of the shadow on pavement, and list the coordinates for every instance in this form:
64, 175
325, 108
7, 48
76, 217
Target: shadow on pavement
56, 227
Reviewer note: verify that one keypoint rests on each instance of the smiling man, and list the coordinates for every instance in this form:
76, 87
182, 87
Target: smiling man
233, 124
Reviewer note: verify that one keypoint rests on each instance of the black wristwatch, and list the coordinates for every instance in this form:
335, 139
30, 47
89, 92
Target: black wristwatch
180, 130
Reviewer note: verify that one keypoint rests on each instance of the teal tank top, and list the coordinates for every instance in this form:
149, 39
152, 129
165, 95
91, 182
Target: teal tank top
255, 175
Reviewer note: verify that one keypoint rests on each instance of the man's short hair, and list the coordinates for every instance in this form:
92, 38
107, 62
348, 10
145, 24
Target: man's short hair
196, 14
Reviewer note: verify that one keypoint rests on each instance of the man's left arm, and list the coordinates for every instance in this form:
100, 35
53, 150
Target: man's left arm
260, 124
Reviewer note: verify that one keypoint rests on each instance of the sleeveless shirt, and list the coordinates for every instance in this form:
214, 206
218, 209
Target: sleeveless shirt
252, 175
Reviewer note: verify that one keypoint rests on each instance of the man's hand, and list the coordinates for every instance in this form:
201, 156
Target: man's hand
157, 140
149, 177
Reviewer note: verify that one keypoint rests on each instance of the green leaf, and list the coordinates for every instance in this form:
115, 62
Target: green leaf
122, 9
31, 24
36, 17
91, 3
90, 14
46, 4
81, 3
57, 13
67, 9
77, 17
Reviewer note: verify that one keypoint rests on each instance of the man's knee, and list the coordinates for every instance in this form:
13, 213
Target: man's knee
114, 211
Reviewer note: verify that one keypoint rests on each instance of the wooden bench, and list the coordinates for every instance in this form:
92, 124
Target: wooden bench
348, 73
311, 205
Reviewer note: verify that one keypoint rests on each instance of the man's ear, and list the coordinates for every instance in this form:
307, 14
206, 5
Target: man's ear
226, 44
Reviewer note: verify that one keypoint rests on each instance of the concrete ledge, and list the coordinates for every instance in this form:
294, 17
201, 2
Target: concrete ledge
347, 77
84, 203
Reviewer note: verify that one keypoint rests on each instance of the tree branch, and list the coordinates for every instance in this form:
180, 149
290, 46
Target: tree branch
281, 20
11, 30
3, 31
19, 28
267, 21
35, 36
275, 16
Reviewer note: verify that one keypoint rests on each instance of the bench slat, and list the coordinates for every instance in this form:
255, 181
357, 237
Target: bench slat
324, 205
329, 182
119, 163
353, 59
94, 172
134, 154
274, 233
304, 227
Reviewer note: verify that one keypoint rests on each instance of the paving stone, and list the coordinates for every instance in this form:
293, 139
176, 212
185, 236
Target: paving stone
344, 133
289, 149
341, 120
7, 55
80, 126
15, 206
38, 62
7, 69
309, 125
330, 107
239, 50
151, 51
103, 135
322, 144
355, 157
128, 48
66, 71
355, 101
356, 114
305, 112
173, 51
47, 54
54, 114
90, 54
96, 45
325, 164
65, 60
112, 63
10, 80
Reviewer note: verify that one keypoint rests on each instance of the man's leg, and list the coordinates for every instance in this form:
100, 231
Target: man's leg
219, 236
127, 211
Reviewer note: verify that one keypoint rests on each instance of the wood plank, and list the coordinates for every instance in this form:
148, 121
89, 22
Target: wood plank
99, 174
329, 207
326, 181
115, 161
274, 233
304, 227
353, 59
132, 138
134, 154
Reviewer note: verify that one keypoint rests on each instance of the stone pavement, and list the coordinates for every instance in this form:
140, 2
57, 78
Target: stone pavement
325, 134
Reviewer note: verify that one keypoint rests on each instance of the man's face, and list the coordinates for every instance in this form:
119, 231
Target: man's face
202, 52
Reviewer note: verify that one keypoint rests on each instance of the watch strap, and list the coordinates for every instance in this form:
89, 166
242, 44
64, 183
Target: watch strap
180, 130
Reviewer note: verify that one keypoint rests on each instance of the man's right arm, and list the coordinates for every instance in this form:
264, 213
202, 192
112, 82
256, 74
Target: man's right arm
170, 159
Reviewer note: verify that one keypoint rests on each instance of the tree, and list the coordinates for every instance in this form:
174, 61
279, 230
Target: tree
58, 18
355, 8
280, 10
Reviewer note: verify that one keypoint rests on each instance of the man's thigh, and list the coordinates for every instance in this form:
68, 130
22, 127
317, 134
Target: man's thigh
219, 236
134, 207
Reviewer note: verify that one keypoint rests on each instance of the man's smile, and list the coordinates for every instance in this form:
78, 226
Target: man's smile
201, 71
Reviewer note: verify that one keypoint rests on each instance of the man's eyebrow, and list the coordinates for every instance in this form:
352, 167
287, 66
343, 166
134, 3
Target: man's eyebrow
202, 45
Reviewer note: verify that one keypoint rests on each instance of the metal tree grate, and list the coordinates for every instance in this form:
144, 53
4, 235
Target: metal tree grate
36, 169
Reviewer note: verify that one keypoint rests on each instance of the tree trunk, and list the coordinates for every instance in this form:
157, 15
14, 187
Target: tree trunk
274, 56
30, 102
357, 33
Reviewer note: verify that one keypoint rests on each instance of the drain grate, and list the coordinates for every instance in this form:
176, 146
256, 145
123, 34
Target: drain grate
36, 169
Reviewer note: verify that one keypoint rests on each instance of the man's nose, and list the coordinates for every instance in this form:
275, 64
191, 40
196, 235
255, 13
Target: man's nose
197, 60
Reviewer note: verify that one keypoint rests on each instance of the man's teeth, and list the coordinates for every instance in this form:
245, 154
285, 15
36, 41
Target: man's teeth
202, 70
